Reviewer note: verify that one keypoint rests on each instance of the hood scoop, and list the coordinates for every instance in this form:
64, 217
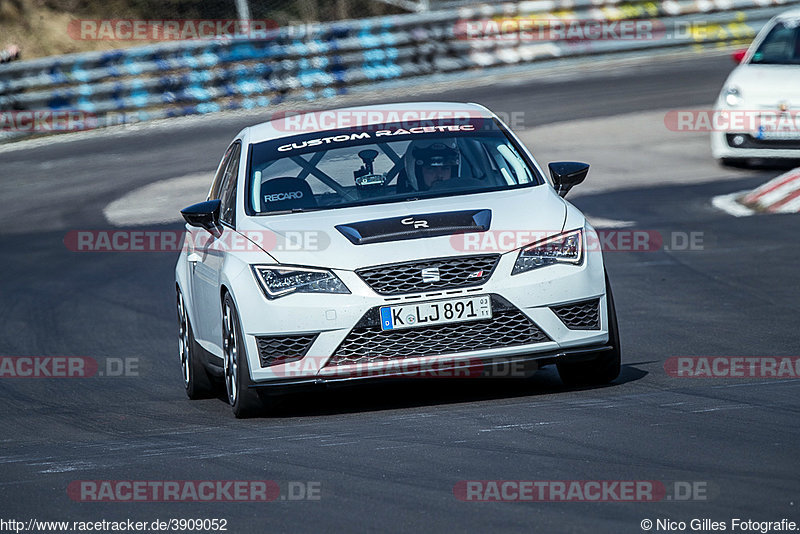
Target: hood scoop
416, 226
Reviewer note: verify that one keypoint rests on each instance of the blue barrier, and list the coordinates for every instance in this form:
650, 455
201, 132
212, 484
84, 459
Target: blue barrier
179, 78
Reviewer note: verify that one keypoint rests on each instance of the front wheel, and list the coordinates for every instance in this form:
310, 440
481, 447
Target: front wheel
606, 366
243, 399
196, 381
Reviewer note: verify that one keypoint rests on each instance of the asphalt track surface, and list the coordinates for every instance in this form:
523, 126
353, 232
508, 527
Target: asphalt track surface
388, 457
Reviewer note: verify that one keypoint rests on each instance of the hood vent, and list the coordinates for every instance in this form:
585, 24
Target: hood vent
416, 226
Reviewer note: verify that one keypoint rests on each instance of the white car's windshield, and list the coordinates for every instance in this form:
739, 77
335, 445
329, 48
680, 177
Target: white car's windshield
341, 168
781, 46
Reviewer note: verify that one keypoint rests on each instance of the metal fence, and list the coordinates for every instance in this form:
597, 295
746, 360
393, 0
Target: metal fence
322, 60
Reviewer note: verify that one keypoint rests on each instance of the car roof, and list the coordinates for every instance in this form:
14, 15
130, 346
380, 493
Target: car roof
790, 14
277, 127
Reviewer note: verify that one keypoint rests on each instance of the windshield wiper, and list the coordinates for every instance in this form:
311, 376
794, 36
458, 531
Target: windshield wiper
293, 210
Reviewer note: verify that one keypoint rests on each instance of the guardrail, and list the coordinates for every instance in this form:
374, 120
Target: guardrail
189, 77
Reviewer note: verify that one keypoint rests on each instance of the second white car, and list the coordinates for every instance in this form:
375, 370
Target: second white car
761, 97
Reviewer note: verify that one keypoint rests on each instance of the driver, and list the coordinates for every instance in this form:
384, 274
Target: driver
432, 163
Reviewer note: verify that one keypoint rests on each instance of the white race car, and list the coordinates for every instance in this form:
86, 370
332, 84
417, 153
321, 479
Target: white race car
406, 240
761, 97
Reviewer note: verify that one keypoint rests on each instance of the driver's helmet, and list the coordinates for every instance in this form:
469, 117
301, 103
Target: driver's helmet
430, 153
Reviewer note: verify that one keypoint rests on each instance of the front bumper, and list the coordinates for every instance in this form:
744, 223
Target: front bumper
514, 366
330, 318
723, 146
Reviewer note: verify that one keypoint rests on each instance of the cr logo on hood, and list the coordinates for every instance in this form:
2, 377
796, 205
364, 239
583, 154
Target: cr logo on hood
417, 224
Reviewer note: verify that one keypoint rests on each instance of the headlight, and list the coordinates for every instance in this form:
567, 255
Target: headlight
278, 281
733, 96
563, 248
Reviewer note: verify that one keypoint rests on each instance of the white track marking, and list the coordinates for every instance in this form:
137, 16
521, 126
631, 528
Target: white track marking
730, 205
160, 202
600, 222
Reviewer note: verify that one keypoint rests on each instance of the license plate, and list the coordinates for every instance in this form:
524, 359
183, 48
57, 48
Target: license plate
436, 312
779, 135
777, 127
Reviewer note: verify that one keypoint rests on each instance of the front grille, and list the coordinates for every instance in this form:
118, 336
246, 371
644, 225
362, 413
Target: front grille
273, 350
458, 272
580, 315
367, 343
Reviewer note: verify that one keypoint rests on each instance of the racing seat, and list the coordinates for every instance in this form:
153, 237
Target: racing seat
286, 193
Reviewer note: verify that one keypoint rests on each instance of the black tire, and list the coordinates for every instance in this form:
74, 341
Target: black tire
196, 381
606, 366
245, 401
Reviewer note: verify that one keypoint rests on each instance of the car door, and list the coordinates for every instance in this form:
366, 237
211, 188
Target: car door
210, 251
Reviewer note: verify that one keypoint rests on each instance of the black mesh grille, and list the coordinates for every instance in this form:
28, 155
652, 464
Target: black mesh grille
580, 315
400, 278
273, 350
367, 343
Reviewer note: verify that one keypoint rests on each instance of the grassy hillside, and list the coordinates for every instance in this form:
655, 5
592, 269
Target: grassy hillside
39, 27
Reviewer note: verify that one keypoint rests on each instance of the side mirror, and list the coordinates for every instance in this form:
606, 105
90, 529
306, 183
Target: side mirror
567, 174
738, 56
204, 215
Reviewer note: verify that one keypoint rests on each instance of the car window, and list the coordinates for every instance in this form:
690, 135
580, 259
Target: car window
340, 168
781, 46
216, 186
228, 187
